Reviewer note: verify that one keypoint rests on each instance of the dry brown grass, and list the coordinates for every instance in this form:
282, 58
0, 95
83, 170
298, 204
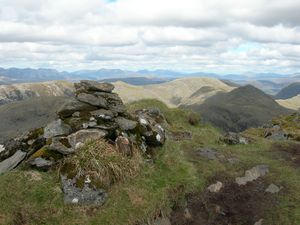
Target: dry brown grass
102, 163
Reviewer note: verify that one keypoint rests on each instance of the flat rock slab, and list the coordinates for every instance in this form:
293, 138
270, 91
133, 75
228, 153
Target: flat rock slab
83, 196
41, 163
92, 100
208, 153
252, 174
72, 106
12, 161
126, 124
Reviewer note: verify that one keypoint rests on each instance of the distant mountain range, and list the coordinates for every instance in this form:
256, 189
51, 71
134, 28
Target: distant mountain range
143, 77
290, 91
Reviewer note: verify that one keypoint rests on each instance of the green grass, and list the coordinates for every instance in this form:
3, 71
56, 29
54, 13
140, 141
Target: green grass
36, 198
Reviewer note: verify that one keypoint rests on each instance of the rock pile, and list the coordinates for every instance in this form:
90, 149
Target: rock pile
95, 113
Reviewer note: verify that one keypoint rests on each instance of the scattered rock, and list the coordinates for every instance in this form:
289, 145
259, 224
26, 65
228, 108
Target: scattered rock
215, 187
126, 124
57, 128
12, 162
61, 145
276, 133
272, 188
83, 196
181, 135
92, 100
41, 163
252, 174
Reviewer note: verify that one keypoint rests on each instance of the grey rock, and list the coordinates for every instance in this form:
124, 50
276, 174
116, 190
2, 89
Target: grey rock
84, 196
215, 187
41, 163
12, 162
90, 124
252, 174
232, 138
103, 114
77, 139
92, 100
125, 124
72, 106
208, 153
272, 188
90, 85
57, 128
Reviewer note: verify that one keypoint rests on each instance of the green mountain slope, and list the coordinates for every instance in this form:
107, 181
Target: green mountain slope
290, 91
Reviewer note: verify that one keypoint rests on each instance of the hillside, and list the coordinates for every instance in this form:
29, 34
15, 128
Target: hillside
291, 103
21, 116
192, 180
239, 109
290, 91
174, 93
17, 92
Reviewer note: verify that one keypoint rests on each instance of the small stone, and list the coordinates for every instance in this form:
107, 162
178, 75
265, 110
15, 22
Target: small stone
92, 100
123, 146
187, 214
272, 188
215, 187
103, 114
75, 200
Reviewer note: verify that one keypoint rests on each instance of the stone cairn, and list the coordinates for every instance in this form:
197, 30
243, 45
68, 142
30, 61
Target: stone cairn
95, 112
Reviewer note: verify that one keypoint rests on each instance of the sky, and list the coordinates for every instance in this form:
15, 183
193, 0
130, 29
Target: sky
221, 36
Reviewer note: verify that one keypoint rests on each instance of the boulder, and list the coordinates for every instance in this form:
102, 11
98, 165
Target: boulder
10, 148
273, 189
91, 86
57, 128
84, 196
11, 162
115, 103
41, 163
93, 100
125, 124
208, 153
73, 106
215, 187
232, 138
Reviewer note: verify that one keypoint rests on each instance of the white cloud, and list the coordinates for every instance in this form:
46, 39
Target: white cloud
220, 36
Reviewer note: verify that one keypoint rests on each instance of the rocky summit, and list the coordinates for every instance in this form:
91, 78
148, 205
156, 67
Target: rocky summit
95, 113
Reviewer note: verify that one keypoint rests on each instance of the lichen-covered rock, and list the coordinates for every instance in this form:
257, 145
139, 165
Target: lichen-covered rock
57, 128
84, 196
252, 174
276, 133
93, 100
92, 86
103, 114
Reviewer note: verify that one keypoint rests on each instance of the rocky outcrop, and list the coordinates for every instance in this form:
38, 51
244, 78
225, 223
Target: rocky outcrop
94, 114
